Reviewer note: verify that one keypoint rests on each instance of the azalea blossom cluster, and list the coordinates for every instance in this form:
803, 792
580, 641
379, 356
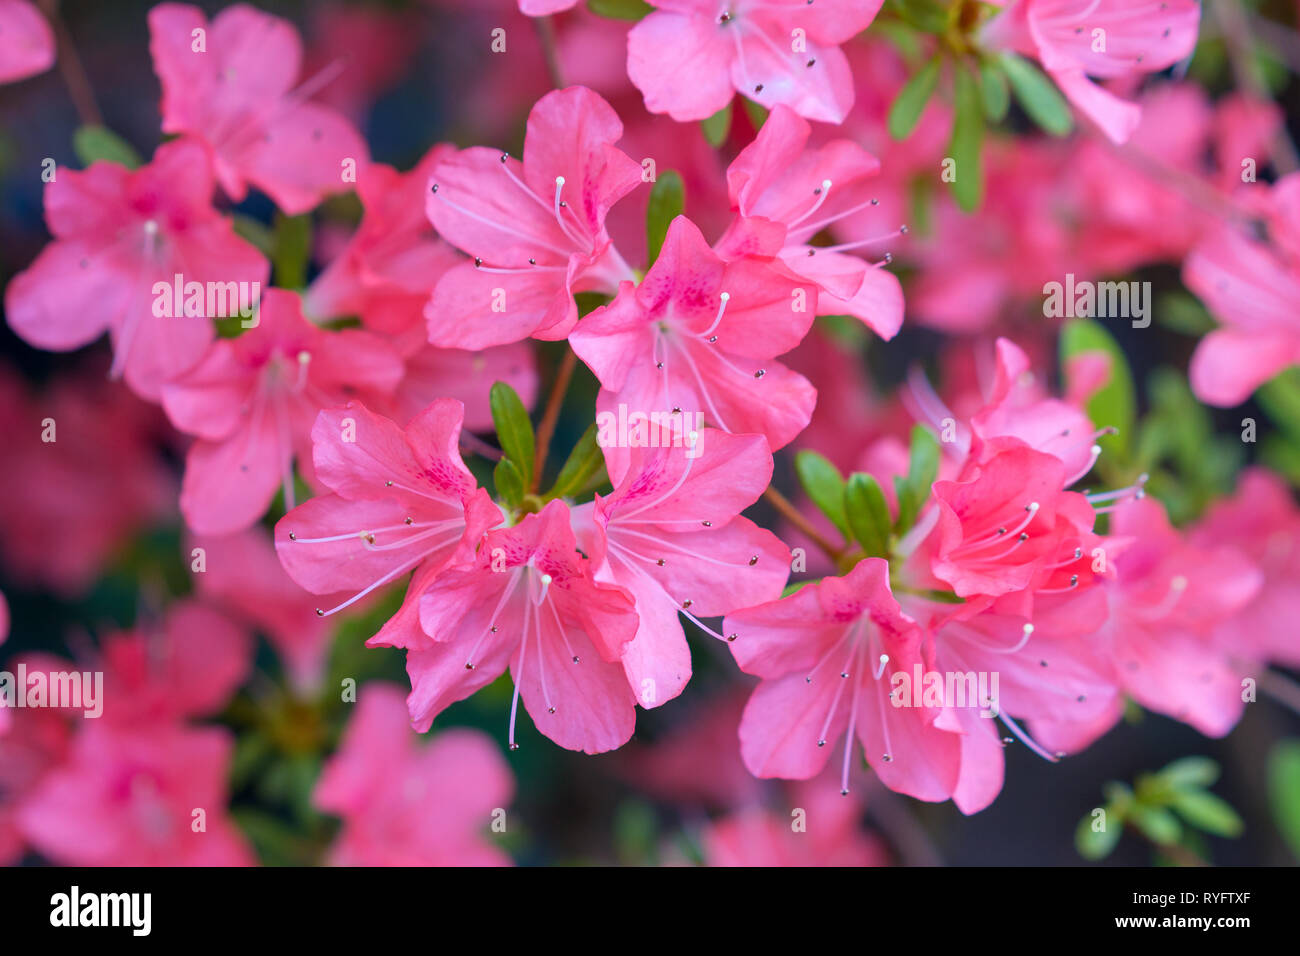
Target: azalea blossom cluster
970, 566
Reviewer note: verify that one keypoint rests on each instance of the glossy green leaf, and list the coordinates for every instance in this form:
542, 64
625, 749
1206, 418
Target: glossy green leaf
583, 464
911, 100
967, 141
717, 126
824, 485
1037, 94
868, 514
667, 198
94, 143
1115, 404
514, 430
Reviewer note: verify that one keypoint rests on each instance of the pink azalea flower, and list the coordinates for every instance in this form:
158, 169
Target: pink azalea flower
401, 500
690, 56
26, 41
1107, 39
69, 506
1261, 521
236, 94
251, 402
543, 8
1251, 287
778, 182
378, 45
536, 228
671, 535
1006, 523
827, 655
1017, 407
409, 805
433, 373
117, 232
136, 798
758, 837
700, 335
528, 602
384, 273
37, 741
4, 633
1168, 597
187, 666
242, 574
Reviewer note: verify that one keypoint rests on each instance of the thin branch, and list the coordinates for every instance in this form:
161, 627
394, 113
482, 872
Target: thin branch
546, 428
74, 74
791, 514
546, 33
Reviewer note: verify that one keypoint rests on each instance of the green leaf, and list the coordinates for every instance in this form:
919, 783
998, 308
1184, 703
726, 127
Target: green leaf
1098, 844
868, 514
620, 9
913, 490
930, 16
1183, 312
292, 248
1280, 397
667, 198
1114, 405
583, 464
1037, 94
717, 126
994, 92
824, 485
1159, 825
910, 102
1190, 772
92, 143
967, 139
1284, 791
514, 430
257, 233
1208, 812
509, 482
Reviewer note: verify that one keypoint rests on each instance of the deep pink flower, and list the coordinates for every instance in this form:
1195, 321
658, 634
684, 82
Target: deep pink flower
528, 602
385, 272
148, 796
699, 335
1252, 288
671, 535
1167, 599
542, 8
776, 182
117, 232
236, 94
1261, 521
690, 56
409, 805
827, 655
1006, 523
1107, 39
535, 229
758, 837
401, 500
252, 402
26, 41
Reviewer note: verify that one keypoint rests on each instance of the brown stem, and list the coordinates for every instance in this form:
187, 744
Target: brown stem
782, 504
546, 33
74, 74
546, 428
1175, 851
